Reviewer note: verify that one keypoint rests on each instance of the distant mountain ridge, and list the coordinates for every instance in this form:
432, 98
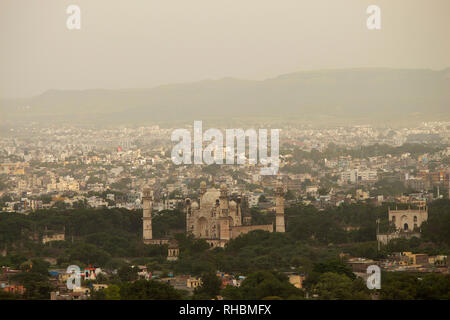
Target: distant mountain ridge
341, 94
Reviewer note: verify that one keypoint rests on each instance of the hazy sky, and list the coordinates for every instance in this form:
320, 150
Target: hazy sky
144, 43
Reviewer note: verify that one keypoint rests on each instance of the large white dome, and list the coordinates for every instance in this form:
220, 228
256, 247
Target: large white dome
209, 197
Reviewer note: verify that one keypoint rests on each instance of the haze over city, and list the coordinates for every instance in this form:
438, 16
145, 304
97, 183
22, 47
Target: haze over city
147, 43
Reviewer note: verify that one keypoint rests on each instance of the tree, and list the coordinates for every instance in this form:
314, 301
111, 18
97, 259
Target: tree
210, 287
149, 290
334, 286
434, 286
87, 253
289, 195
398, 286
7, 296
438, 224
35, 280
112, 292
264, 284
334, 266
128, 273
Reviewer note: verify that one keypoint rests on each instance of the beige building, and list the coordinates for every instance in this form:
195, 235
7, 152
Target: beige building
53, 236
193, 282
297, 280
361, 195
99, 286
215, 217
147, 216
408, 220
173, 250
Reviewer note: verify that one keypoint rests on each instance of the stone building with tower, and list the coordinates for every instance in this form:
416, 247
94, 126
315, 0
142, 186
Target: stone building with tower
215, 217
173, 251
279, 209
50, 236
147, 229
407, 224
408, 220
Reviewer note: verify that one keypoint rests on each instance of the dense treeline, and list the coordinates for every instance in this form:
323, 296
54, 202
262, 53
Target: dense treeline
257, 250
330, 226
106, 237
92, 236
264, 285
334, 151
312, 245
410, 286
437, 228
78, 223
357, 223
139, 290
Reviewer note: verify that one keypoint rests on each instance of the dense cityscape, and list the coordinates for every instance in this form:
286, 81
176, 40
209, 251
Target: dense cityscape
75, 195
224, 159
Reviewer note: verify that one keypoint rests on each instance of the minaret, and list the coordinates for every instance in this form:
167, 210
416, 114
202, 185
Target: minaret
188, 213
201, 193
224, 201
238, 208
224, 220
279, 213
147, 215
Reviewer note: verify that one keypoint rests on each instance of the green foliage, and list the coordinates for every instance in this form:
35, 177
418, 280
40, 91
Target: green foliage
99, 235
289, 195
194, 258
210, 287
388, 187
334, 266
85, 253
212, 169
434, 286
35, 280
138, 290
311, 245
128, 273
122, 184
2, 183
334, 286
260, 218
364, 249
257, 250
410, 286
8, 296
263, 284
328, 226
166, 221
296, 169
436, 229
398, 286
112, 292
330, 266
149, 290
333, 151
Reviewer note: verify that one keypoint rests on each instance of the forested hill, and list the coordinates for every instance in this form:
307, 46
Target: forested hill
364, 94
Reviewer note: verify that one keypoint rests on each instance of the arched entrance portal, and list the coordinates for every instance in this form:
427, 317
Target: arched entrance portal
404, 223
202, 228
